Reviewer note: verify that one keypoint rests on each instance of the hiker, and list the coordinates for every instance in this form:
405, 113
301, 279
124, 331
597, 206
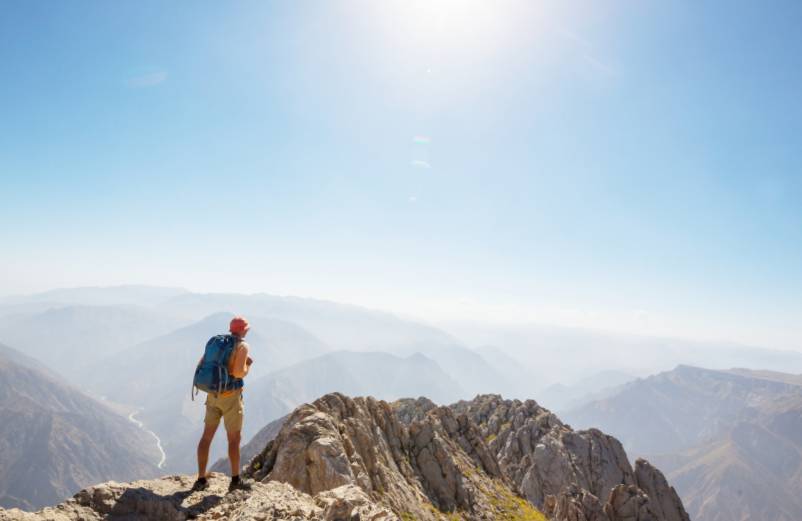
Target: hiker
220, 374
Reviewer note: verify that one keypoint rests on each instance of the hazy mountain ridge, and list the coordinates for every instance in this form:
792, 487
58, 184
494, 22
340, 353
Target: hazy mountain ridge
339, 326
13, 355
55, 440
155, 373
561, 397
731, 440
793, 379
381, 374
292, 338
347, 327
343, 326
124, 295
69, 338
564, 355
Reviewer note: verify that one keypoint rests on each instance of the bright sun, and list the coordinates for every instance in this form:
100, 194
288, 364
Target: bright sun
467, 28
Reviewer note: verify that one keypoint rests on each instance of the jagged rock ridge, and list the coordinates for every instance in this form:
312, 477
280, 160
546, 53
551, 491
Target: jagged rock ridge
553, 465
419, 471
413, 454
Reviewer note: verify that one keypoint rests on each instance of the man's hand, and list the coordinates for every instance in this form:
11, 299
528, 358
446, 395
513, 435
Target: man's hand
249, 361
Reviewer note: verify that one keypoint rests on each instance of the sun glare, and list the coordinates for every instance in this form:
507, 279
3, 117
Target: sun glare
467, 29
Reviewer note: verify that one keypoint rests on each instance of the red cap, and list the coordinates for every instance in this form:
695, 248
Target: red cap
239, 326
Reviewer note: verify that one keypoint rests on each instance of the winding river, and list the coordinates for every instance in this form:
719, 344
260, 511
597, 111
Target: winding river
158, 441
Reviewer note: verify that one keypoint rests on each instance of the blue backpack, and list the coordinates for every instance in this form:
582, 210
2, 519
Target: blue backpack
211, 375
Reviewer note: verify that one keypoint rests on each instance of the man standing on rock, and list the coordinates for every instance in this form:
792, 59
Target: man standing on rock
220, 373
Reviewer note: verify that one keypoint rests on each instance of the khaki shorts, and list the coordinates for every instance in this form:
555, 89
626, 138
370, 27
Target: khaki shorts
231, 408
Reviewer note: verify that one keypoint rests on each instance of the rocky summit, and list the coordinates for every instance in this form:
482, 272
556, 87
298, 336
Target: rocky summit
342, 458
169, 499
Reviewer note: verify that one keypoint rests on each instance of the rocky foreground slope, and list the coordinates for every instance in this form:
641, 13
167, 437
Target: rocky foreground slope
343, 458
169, 499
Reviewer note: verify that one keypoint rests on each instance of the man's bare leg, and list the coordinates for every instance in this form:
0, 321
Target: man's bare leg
233, 457
203, 449
233, 451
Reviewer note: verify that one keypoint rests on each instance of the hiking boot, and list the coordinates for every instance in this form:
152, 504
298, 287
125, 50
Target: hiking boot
200, 484
239, 484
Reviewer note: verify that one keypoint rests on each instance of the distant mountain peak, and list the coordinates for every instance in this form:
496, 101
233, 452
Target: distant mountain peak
730, 439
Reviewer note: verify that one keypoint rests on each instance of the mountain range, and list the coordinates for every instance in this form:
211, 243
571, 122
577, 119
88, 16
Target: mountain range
54, 440
132, 349
69, 338
730, 440
564, 355
81, 333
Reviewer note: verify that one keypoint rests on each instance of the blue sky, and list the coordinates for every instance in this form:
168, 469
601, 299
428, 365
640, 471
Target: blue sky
630, 166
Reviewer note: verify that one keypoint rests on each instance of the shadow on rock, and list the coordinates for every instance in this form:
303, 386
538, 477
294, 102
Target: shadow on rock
146, 503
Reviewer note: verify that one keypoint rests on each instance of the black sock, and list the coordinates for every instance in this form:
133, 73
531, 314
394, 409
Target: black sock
202, 480
235, 479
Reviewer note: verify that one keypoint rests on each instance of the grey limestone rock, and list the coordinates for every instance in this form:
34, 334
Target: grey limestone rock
664, 499
169, 499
